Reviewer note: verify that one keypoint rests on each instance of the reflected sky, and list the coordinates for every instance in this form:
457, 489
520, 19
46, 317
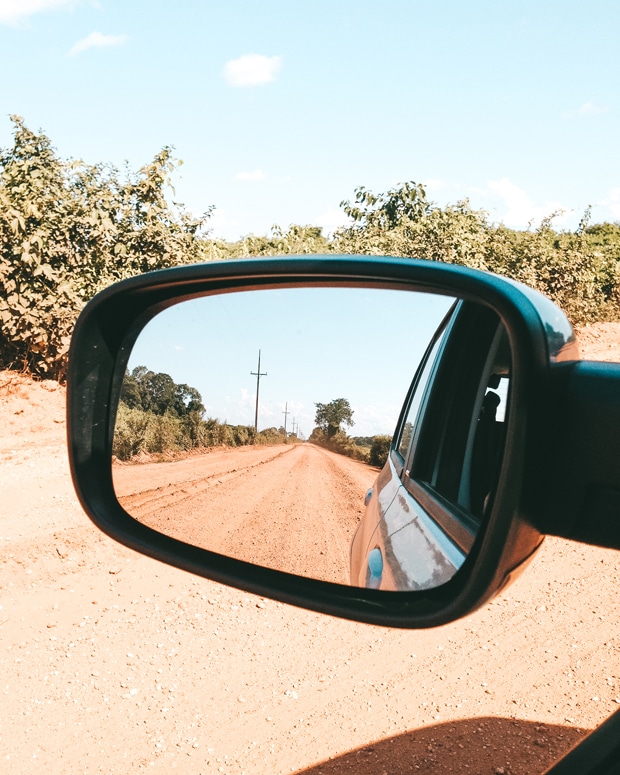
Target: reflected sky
317, 344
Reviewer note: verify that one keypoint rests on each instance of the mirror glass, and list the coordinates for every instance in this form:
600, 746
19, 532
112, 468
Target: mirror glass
253, 423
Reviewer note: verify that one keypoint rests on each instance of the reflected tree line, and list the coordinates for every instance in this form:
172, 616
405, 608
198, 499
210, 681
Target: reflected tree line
158, 416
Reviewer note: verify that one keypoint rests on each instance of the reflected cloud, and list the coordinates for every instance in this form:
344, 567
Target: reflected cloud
587, 109
252, 70
12, 12
97, 40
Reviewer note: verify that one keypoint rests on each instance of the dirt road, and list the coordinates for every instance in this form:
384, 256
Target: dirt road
292, 508
113, 663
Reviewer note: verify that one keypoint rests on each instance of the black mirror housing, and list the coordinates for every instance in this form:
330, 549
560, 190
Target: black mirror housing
543, 350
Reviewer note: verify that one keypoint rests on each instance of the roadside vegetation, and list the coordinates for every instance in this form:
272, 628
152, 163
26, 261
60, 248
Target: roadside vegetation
160, 418
329, 433
157, 416
69, 229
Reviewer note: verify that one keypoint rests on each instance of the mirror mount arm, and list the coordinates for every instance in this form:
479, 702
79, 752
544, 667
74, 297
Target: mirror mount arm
577, 490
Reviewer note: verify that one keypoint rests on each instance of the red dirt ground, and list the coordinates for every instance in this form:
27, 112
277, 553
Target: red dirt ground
114, 663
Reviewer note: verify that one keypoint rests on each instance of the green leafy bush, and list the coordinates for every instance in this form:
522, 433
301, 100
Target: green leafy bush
67, 230
579, 270
296, 240
271, 436
156, 415
379, 450
130, 432
339, 442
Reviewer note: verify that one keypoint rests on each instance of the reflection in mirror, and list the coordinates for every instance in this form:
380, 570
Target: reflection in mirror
252, 424
428, 506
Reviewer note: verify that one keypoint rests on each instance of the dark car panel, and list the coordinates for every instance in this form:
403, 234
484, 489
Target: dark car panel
445, 458
416, 553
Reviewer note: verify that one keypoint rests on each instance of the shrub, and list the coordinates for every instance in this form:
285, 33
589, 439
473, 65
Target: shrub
578, 270
67, 230
164, 433
379, 450
271, 436
130, 432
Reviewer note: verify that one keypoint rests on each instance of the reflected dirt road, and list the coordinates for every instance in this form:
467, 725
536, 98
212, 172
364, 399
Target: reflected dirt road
293, 508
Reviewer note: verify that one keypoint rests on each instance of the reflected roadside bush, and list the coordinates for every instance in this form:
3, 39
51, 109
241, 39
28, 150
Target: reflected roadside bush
138, 432
372, 450
379, 450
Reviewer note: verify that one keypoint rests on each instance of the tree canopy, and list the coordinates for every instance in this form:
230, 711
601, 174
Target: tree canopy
332, 416
69, 229
159, 394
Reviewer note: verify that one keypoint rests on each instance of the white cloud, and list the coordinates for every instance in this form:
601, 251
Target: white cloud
222, 225
519, 209
252, 70
13, 11
97, 40
613, 202
371, 420
330, 220
587, 109
250, 177
246, 398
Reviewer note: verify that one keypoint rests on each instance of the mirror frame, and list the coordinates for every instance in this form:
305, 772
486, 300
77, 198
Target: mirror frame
110, 323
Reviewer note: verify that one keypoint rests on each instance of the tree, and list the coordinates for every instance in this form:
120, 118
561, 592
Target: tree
67, 230
159, 394
296, 240
331, 416
578, 270
187, 400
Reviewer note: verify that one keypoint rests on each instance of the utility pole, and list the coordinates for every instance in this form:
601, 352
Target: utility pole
258, 374
286, 414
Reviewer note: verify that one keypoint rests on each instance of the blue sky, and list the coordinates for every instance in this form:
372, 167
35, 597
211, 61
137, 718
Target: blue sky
280, 109
317, 344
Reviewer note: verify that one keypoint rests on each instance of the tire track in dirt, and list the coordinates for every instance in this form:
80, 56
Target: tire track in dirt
143, 503
295, 511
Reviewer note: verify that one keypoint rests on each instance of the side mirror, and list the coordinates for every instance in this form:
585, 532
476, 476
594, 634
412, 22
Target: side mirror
485, 368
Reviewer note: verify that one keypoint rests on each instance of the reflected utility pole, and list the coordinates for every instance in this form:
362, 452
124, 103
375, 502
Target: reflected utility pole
258, 374
286, 414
